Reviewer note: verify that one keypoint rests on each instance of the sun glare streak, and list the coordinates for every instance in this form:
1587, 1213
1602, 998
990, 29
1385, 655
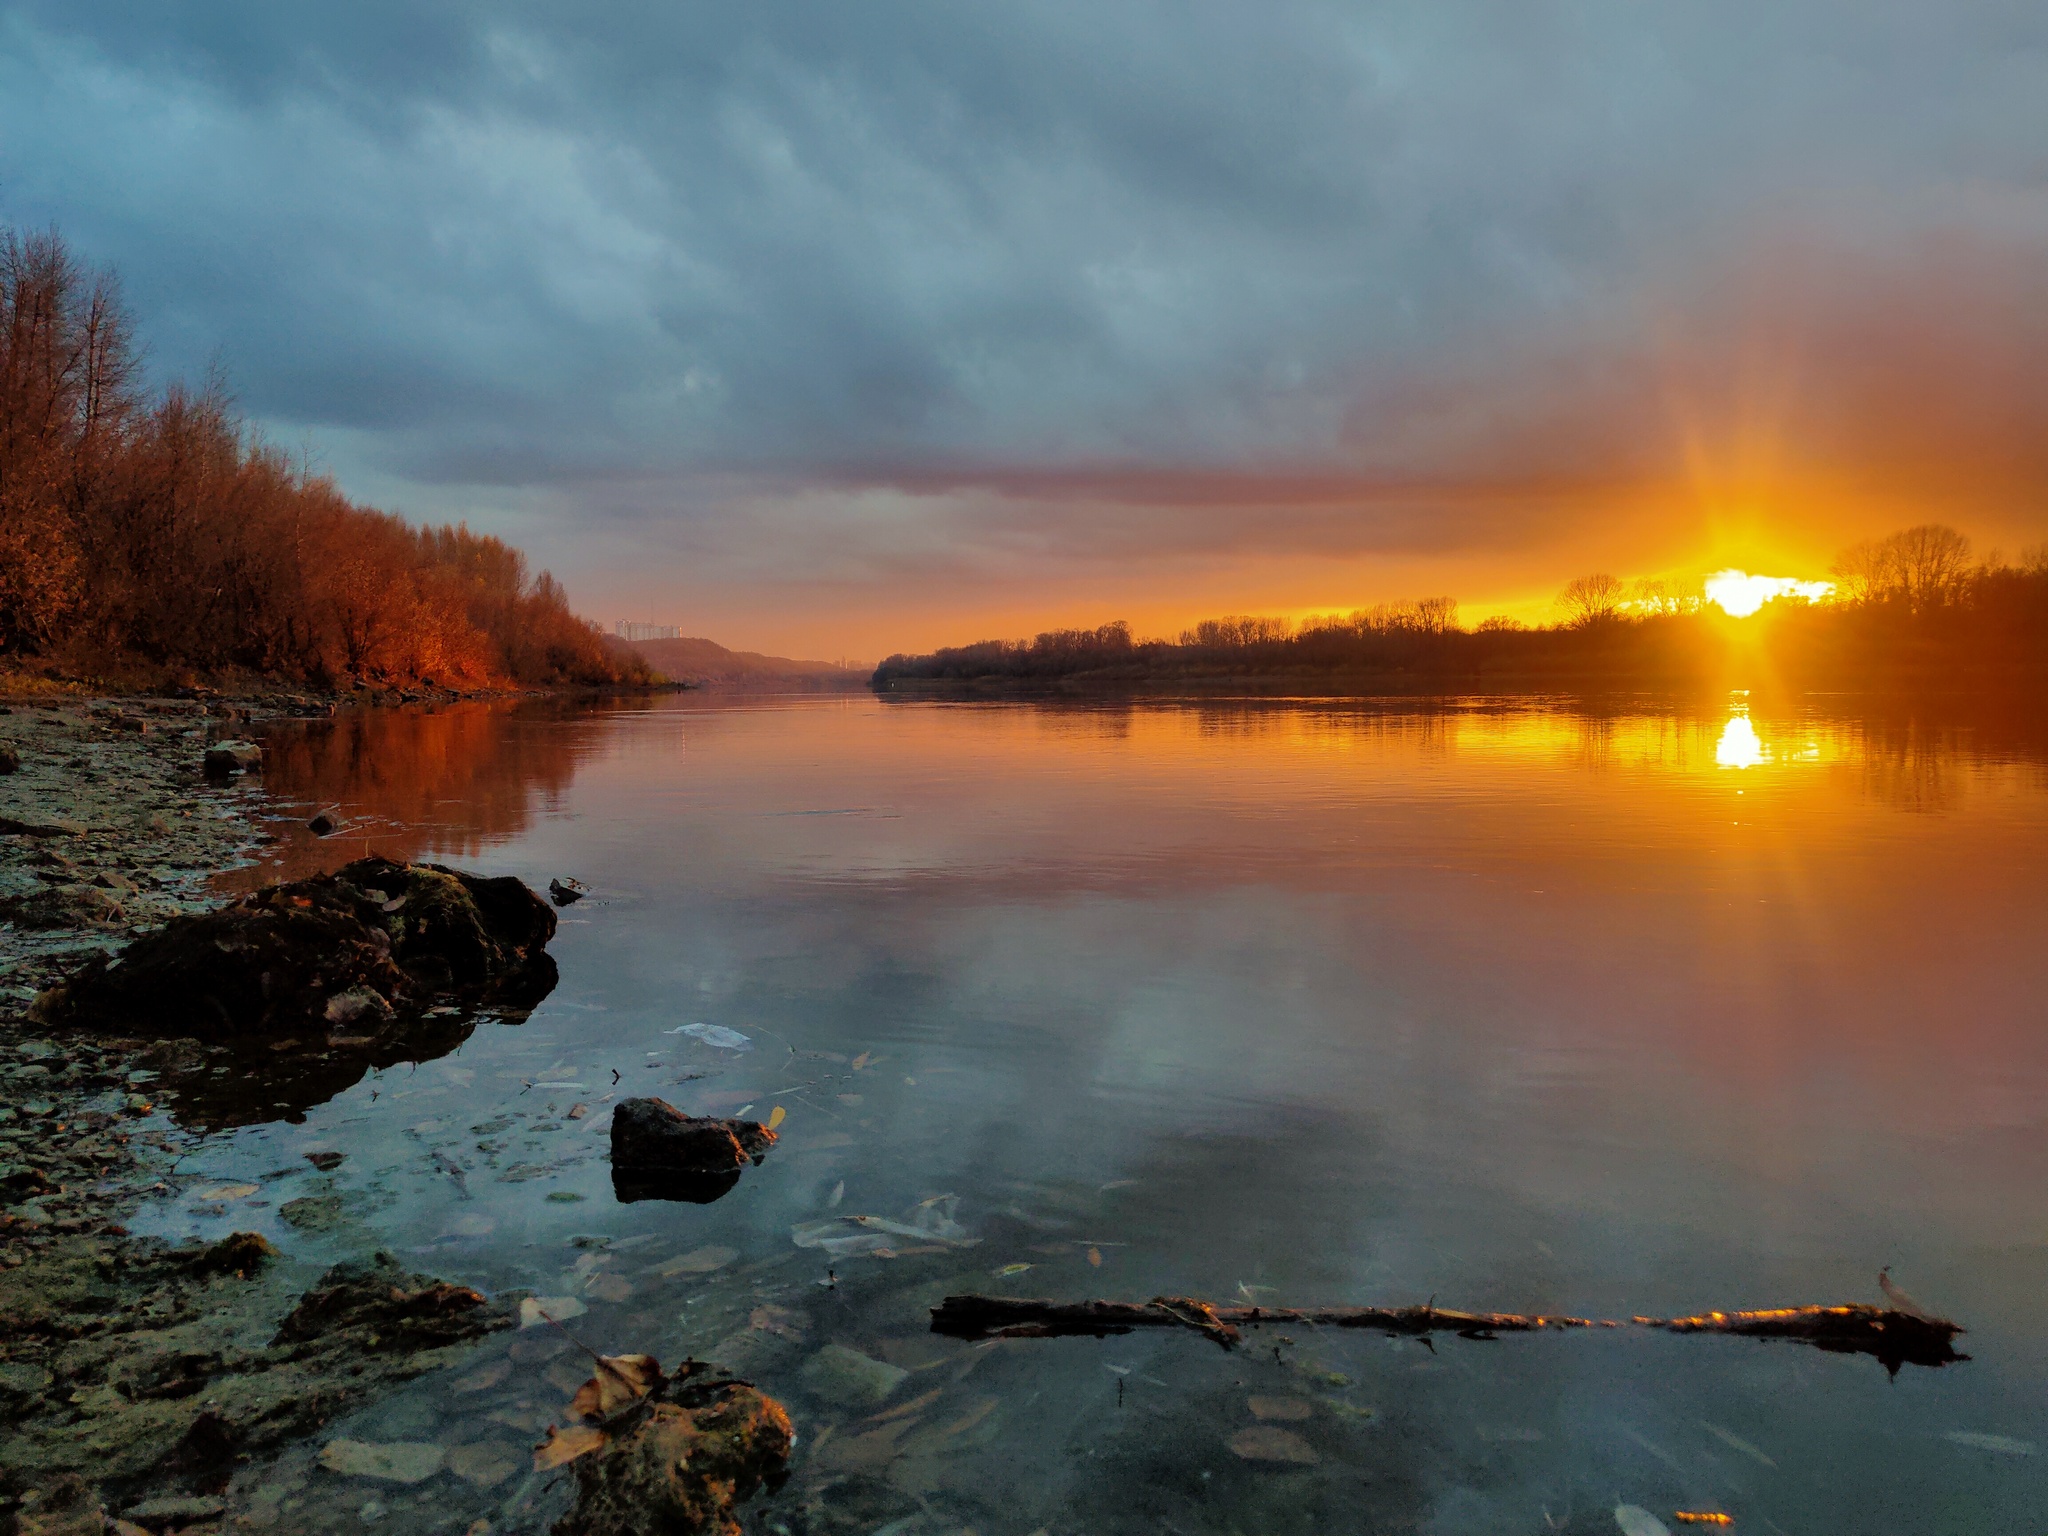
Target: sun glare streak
1741, 594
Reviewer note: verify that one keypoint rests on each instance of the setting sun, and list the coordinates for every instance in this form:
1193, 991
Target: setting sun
1741, 594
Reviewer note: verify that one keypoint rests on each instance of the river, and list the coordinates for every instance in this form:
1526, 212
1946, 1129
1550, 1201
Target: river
1509, 1005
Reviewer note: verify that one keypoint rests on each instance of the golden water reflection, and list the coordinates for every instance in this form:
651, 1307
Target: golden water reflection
1739, 746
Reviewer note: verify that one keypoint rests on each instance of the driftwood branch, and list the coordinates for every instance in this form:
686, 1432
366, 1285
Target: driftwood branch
1894, 1337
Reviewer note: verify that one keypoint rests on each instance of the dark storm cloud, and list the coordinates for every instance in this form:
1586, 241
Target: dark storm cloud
1423, 248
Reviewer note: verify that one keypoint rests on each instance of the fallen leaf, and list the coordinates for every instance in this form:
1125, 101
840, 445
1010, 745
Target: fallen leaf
577, 1112
1701, 1517
564, 1445
620, 1379
860, 1062
1095, 1257
1634, 1520
1280, 1408
1009, 1269
226, 1192
612, 1288
1262, 1442
776, 1116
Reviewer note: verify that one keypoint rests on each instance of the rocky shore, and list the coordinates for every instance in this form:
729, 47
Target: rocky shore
151, 1388
136, 1376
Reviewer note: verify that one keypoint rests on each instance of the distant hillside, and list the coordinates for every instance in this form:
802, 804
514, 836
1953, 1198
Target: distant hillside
707, 662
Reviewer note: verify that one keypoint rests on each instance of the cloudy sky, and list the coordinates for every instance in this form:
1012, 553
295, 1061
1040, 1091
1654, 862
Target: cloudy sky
843, 328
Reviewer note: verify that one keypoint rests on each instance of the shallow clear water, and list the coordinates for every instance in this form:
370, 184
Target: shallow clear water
1514, 1007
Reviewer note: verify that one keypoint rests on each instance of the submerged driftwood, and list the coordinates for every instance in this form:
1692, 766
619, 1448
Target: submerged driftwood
1892, 1336
1895, 1337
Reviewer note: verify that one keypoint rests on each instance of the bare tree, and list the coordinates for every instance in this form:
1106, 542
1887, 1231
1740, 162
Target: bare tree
1919, 568
1590, 600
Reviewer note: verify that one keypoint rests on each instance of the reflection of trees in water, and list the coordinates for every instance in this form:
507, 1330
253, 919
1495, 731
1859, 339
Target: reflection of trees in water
444, 781
1910, 768
1920, 761
1426, 725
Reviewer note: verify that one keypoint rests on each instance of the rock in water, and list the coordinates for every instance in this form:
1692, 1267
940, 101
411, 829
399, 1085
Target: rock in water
681, 1466
225, 759
404, 1462
566, 891
321, 825
352, 951
10, 760
660, 1153
850, 1379
390, 1308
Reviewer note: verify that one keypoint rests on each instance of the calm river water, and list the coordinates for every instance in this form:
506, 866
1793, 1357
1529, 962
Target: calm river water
1512, 1006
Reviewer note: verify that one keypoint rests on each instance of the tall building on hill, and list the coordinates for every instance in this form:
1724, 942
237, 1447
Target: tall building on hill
628, 630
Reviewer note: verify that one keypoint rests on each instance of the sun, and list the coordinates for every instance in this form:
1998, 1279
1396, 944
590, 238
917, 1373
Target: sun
1741, 594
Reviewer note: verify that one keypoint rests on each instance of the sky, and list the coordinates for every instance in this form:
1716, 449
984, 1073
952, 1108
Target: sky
836, 330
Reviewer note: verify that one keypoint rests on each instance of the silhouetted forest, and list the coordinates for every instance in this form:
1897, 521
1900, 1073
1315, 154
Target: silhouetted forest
153, 534
1911, 609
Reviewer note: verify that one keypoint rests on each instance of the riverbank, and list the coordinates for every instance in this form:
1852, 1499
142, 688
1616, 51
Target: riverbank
137, 1378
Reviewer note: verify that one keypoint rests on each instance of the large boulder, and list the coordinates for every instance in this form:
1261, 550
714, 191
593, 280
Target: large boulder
660, 1153
346, 955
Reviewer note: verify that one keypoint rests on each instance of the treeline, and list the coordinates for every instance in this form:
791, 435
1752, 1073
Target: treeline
1909, 608
153, 533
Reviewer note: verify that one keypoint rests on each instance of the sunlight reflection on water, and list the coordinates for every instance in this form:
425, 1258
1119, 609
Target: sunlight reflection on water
1492, 1001
1739, 746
